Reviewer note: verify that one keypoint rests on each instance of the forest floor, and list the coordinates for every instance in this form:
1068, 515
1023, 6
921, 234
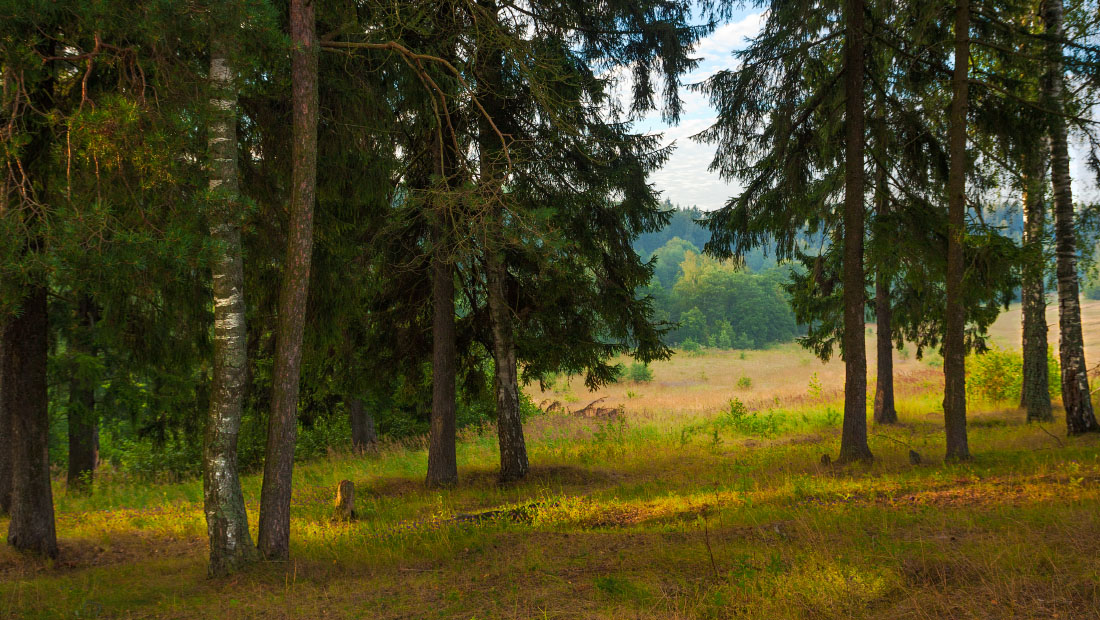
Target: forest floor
665, 511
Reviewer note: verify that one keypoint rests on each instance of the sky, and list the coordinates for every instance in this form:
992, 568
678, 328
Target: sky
685, 178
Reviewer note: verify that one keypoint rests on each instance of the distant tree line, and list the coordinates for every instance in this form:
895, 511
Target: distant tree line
719, 304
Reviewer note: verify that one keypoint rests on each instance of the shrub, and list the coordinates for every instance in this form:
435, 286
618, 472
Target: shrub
639, 373
744, 383
997, 374
740, 419
690, 346
814, 389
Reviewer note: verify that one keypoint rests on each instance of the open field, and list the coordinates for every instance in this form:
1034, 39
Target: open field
676, 510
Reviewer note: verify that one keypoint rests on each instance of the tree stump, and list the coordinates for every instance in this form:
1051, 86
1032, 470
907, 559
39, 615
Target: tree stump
345, 502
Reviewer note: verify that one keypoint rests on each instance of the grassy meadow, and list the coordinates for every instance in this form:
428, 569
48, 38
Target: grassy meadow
681, 507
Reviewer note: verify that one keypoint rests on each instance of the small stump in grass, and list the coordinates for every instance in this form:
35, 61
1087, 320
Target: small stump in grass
345, 502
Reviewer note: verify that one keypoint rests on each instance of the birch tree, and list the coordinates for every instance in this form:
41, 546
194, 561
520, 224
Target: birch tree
231, 545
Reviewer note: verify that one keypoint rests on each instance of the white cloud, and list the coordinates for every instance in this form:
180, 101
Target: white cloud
685, 179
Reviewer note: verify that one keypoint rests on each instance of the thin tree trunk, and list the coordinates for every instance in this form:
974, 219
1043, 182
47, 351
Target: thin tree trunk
954, 343
853, 439
5, 432
1080, 417
442, 461
83, 421
1035, 392
26, 345
274, 535
363, 435
231, 546
513, 448
885, 413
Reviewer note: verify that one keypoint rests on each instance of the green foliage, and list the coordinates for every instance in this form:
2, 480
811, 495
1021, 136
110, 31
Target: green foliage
738, 418
690, 346
997, 375
744, 383
813, 390
639, 372
721, 304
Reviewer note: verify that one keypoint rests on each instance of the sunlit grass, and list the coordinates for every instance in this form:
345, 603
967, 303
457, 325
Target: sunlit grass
693, 513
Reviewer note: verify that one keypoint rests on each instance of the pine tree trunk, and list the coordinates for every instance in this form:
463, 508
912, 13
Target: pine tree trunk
442, 461
363, 435
231, 546
83, 420
1035, 392
1080, 417
885, 413
954, 343
25, 342
26, 345
274, 537
853, 439
513, 448
5, 433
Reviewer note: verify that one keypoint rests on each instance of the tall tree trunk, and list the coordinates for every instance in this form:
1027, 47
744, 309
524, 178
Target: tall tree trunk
442, 461
274, 535
1035, 393
513, 448
231, 546
25, 342
363, 435
954, 342
26, 345
1080, 417
853, 439
83, 421
5, 432
885, 413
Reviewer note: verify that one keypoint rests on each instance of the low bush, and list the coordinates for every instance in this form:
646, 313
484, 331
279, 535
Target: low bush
997, 375
639, 373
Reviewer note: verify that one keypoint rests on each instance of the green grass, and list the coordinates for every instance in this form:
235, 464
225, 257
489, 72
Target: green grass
652, 516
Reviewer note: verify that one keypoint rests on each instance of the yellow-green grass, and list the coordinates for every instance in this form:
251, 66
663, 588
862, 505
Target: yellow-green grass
649, 516
674, 510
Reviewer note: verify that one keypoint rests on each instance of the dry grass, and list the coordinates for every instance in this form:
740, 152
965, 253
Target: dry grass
675, 510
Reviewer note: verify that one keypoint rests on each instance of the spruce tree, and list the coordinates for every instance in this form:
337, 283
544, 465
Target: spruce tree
954, 344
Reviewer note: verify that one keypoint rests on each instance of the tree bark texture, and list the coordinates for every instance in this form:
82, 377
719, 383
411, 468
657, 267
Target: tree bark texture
363, 435
82, 416
513, 448
1080, 417
442, 460
274, 535
853, 439
5, 433
26, 346
1035, 392
885, 412
231, 546
954, 341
